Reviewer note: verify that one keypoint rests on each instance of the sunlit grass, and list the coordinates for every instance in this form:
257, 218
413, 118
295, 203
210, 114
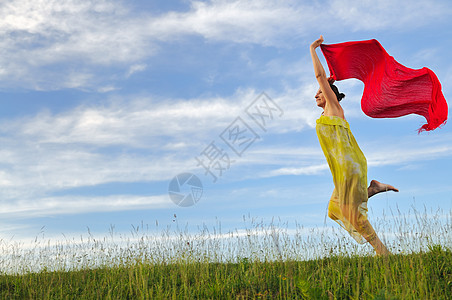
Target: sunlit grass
259, 261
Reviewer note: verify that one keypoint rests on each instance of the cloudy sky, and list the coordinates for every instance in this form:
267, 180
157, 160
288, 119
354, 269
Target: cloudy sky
103, 103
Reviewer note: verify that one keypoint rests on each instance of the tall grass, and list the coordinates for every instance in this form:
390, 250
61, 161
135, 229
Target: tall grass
259, 261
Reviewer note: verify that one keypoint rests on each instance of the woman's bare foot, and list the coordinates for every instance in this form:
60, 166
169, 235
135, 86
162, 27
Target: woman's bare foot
376, 187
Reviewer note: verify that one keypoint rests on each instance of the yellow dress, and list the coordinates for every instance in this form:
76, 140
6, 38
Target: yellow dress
348, 166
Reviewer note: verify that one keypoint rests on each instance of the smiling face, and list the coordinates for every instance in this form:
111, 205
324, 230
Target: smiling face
320, 99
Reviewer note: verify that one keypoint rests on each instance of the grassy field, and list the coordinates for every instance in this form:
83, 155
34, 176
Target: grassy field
414, 276
261, 262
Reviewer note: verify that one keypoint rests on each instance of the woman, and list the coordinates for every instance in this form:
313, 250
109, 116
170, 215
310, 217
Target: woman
348, 165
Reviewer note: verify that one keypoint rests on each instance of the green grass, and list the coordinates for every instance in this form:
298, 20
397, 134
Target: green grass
414, 276
263, 262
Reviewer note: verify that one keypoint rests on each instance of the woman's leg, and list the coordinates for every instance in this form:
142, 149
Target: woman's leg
371, 236
376, 187
363, 226
368, 232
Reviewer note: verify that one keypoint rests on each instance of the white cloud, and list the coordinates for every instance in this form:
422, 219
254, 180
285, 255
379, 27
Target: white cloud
5, 179
135, 68
127, 140
141, 139
386, 14
132, 122
57, 44
403, 153
308, 170
407, 153
67, 44
133, 139
272, 22
107, 88
261, 22
77, 204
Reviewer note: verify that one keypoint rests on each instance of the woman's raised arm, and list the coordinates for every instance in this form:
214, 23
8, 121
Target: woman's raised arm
320, 75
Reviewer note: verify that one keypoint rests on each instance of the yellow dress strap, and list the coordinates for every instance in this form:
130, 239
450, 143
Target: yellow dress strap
333, 120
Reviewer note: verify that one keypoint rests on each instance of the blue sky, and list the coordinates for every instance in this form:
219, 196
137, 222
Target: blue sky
103, 103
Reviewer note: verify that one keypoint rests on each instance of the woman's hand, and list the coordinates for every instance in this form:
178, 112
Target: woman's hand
317, 43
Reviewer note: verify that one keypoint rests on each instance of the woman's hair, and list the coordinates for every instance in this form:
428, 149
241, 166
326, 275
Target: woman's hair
339, 96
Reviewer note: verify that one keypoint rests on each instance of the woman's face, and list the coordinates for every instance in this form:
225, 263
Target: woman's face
320, 99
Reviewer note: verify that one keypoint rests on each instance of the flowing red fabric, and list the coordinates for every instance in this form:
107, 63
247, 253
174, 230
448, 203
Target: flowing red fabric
390, 89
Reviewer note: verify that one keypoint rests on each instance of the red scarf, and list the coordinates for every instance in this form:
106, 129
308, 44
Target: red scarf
390, 89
